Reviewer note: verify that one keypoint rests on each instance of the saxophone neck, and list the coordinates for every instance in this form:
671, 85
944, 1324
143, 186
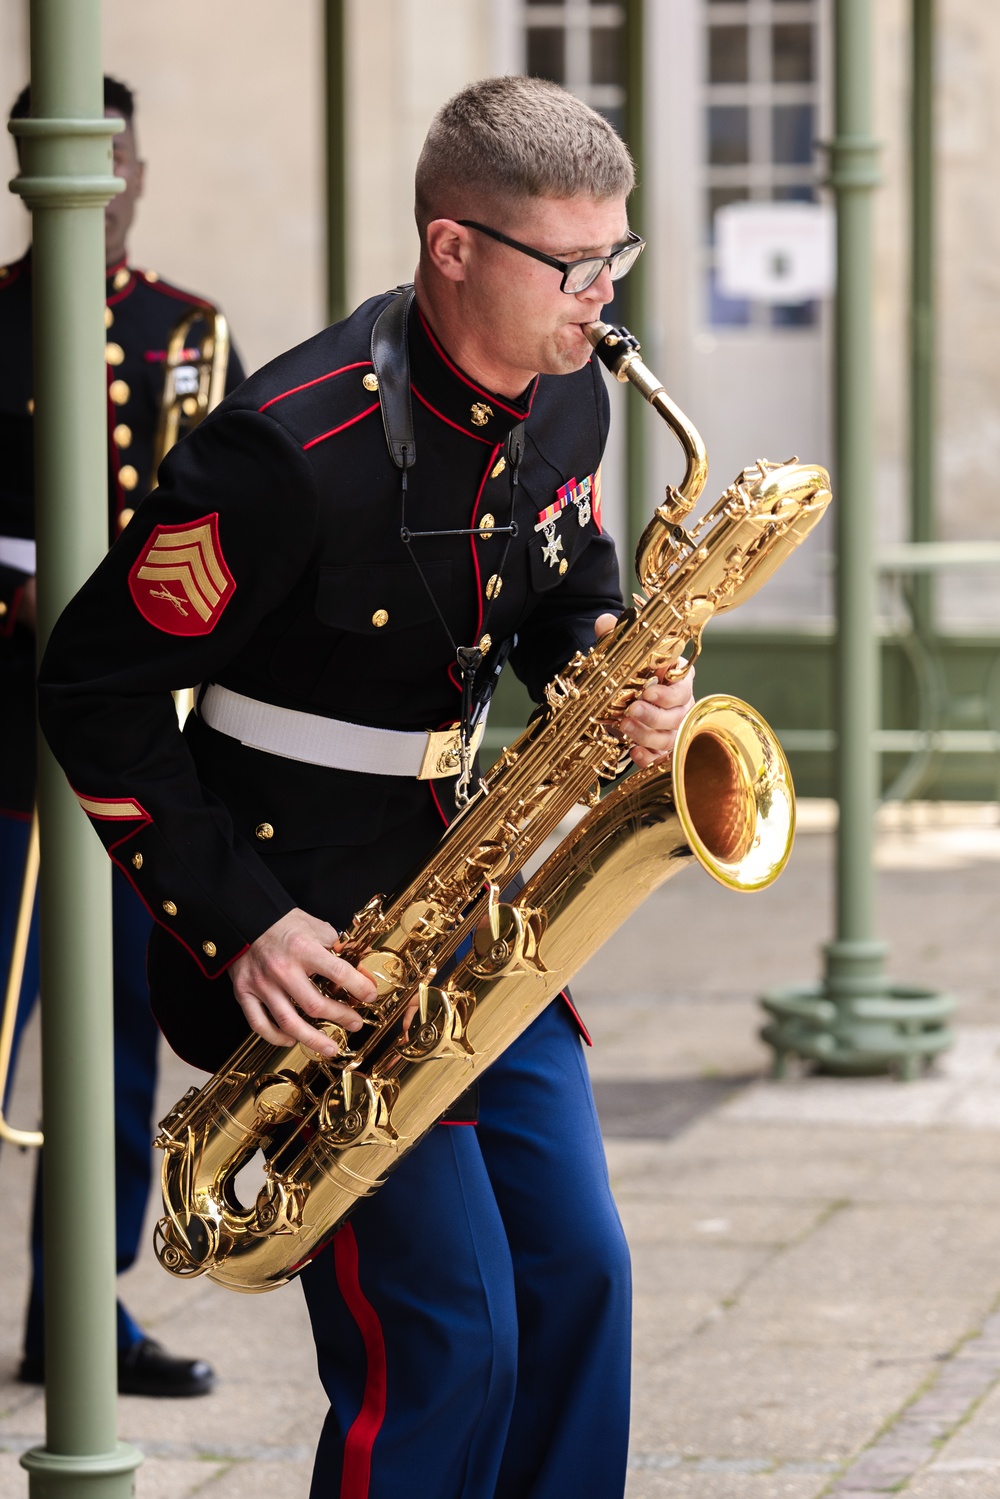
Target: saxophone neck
618, 350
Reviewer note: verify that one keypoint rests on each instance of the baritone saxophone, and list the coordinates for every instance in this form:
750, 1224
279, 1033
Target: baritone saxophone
461, 972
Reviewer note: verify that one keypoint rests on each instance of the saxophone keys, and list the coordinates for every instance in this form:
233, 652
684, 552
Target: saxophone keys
438, 1027
506, 941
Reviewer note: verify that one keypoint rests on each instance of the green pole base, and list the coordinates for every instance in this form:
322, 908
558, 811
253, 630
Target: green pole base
100, 1475
855, 1023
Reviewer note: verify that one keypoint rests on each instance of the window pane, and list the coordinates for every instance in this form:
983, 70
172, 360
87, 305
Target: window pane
547, 52
718, 197
792, 54
728, 134
606, 54
792, 139
796, 192
725, 312
795, 315
727, 54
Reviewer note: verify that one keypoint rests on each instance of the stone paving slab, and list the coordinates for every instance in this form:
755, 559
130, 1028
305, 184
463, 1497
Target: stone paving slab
962, 1092
723, 1485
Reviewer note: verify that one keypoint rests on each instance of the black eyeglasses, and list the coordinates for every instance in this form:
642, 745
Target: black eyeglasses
577, 275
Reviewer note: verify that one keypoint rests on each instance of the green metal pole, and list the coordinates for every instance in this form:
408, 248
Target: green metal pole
856, 1022
336, 160
636, 416
855, 958
66, 179
922, 414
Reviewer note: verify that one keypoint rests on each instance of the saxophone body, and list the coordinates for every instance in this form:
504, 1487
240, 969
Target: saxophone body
460, 973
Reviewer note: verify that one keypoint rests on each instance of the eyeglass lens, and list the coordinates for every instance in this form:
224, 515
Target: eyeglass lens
586, 272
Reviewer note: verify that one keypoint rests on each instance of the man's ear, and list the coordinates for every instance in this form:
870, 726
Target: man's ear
140, 179
447, 248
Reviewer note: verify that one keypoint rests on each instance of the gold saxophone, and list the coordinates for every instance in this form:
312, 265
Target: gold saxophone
331, 1131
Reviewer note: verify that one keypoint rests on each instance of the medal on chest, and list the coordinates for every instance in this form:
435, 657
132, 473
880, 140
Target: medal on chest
573, 493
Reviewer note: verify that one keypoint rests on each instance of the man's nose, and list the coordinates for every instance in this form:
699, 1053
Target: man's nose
603, 289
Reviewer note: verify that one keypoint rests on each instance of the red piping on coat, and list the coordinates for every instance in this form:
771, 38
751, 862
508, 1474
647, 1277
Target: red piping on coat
358, 1444
470, 383
334, 430
360, 365
446, 419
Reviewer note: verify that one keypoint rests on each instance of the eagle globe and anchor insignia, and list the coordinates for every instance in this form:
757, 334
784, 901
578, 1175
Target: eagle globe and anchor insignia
481, 413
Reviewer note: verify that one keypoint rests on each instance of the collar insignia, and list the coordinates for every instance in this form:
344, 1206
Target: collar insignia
481, 413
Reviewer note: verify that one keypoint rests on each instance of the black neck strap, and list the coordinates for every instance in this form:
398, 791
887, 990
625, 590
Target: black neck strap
391, 361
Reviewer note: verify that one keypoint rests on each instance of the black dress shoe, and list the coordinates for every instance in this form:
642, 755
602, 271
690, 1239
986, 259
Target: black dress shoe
144, 1369
147, 1369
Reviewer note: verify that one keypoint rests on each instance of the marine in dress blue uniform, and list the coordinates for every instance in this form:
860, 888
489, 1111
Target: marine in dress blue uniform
472, 1319
141, 311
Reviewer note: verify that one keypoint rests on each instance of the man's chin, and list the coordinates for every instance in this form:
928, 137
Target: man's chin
569, 352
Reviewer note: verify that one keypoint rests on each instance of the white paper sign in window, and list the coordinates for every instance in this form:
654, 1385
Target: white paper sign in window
776, 252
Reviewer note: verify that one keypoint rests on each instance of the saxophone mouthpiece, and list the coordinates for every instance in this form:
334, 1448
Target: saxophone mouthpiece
597, 331
615, 347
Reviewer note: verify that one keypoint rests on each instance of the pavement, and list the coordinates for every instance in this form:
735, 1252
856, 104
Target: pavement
816, 1261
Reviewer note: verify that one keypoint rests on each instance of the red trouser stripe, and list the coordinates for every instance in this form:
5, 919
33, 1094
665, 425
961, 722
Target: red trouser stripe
367, 1424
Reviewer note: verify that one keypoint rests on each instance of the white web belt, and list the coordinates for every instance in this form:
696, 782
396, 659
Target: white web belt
427, 755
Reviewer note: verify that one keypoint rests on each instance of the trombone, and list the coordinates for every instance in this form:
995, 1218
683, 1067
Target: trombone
12, 994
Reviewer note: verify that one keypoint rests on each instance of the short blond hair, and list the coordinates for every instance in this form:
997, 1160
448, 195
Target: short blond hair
517, 138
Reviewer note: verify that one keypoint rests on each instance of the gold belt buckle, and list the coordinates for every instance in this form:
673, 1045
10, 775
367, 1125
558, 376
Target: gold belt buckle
441, 757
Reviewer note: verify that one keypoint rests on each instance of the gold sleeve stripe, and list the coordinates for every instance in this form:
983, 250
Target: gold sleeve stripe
124, 810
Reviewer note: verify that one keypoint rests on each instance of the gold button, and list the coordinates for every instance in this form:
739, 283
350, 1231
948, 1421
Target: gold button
122, 435
189, 405
119, 392
494, 586
370, 382
209, 949
137, 861
264, 831
113, 353
128, 477
121, 279
151, 275
498, 468
486, 526
124, 516
31, 406
485, 643
170, 908
380, 618
4, 271
109, 317
3, 608
563, 568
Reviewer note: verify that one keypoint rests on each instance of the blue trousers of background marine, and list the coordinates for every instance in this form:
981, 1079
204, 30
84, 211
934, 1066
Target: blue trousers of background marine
135, 1037
472, 1320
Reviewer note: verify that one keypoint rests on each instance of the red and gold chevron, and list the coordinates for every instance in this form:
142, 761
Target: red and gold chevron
180, 582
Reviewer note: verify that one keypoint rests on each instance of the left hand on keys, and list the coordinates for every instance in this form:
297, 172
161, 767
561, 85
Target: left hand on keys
652, 721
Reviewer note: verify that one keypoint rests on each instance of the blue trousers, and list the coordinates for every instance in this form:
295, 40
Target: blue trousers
135, 1038
472, 1320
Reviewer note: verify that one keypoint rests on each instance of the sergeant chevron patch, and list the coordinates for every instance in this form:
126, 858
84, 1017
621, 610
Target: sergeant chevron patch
180, 582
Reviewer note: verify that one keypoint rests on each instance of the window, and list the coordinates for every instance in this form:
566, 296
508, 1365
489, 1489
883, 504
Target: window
580, 44
761, 111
